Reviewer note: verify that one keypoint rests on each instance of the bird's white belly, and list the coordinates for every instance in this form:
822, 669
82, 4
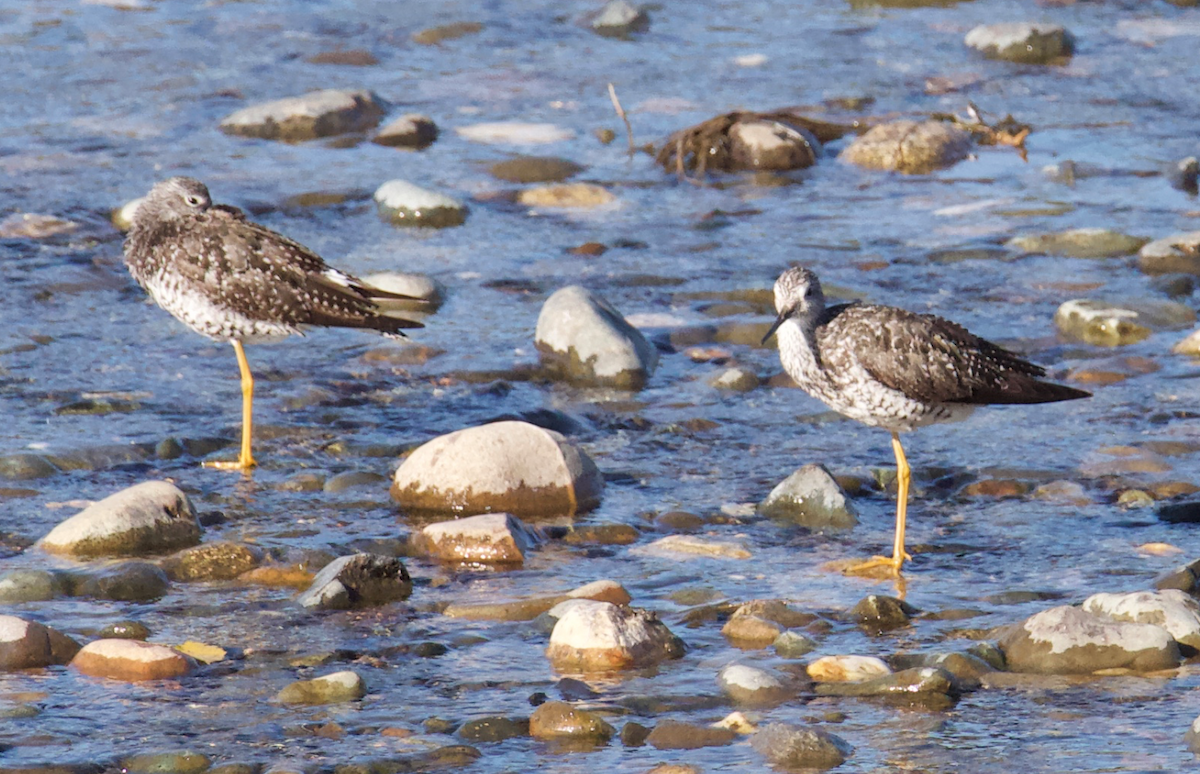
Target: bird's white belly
208, 318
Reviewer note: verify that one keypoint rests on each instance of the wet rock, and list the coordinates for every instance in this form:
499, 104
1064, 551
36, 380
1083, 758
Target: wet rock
493, 538
444, 32
559, 720
911, 147
411, 130
566, 195
877, 612
180, 762
429, 294
791, 747
1080, 243
356, 581
330, 689
212, 562
125, 582
694, 546
403, 204
752, 686
535, 169
583, 339
494, 729
676, 735
131, 661
26, 467
514, 133
503, 466
1192, 736
31, 225
598, 636
810, 497
353, 479
923, 686
1173, 610
1070, 492
619, 19
1180, 512
1185, 175
735, 379
151, 517
528, 609
847, 669
1175, 254
124, 630
1113, 325
792, 644
1025, 42
30, 645
772, 146
28, 585
751, 631
309, 116
633, 734
1068, 640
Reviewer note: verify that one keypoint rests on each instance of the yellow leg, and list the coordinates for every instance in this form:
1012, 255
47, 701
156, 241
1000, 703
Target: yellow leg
245, 460
903, 481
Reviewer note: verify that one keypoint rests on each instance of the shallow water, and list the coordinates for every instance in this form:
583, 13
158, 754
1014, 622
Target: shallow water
102, 102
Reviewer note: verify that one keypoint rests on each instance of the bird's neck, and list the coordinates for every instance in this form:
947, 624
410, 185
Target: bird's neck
798, 350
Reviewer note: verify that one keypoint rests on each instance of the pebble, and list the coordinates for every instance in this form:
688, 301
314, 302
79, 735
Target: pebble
334, 688
131, 661
353, 479
357, 581
309, 116
1192, 736
1173, 610
411, 130
750, 631
566, 195
810, 497
583, 339
29, 585
879, 613
1068, 640
402, 203
1079, 243
151, 517
771, 146
31, 645
507, 466
26, 467
490, 538
434, 35
677, 735
595, 636
841, 669
430, 292
514, 133
1175, 254
212, 562
620, 19
559, 720
752, 686
791, 747
125, 630
922, 686
910, 147
125, 582
1024, 42
1185, 175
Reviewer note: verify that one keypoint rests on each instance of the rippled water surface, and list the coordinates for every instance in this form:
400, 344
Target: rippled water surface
101, 102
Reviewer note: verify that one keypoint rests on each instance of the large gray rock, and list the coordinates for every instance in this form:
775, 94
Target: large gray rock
771, 146
1025, 42
308, 116
29, 585
1068, 640
152, 517
790, 747
358, 580
912, 147
583, 339
810, 497
1171, 609
507, 466
1175, 254
599, 637
402, 203
30, 645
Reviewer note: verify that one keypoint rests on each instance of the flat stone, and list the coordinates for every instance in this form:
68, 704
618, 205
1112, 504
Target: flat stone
508, 466
494, 729
922, 686
560, 720
1175, 254
1068, 640
1079, 243
29, 585
1024, 42
402, 203
412, 130
176, 762
358, 581
535, 169
694, 546
810, 497
585, 340
330, 689
842, 669
433, 36
792, 748
598, 636
31, 225
676, 735
309, 116
26, 467
31, 645
490, 538
125, 582
1173, 610
736, 379
566, 195
1108, 324
131, 661
792, 644
528, 609
151, 517
514, 133
212, 562
910, 147
620, 19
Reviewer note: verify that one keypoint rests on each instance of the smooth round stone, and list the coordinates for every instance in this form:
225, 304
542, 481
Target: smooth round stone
735, 379
910, 147
432, 36
354, 479
357, 581
27, 585
560, 720
566, 196
1192, 736
791, 644
509, 466
125, 630
1118, 324
309, 116
151, 517
131, 661
429, 291
584, 339
330, 689
535, 169
1025, 42
676, 546
677, 735
1068, 640
619, 19
878, 612
411, 130
30, 645
491, 538
1185, 175
183, 762
792, 748
1175, 254
122, 217
839, 669
405, 204
494, 729
514, 133
26, 467
810, 497
771, 146
1173, 610
752, 686
922, 686
1080, 243
125, 582
599, 636
212, 562
751, 631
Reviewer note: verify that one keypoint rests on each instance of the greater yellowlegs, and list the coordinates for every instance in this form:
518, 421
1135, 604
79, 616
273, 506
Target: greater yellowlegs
890, 368
233, 280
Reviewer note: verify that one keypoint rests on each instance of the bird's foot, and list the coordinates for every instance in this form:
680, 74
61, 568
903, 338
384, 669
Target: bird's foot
243, 465
878, 567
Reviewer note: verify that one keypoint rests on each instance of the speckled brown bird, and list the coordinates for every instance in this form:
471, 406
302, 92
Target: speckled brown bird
233, 280
890, 368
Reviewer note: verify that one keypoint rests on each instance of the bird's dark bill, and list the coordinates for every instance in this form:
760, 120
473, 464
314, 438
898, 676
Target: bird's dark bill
774, 327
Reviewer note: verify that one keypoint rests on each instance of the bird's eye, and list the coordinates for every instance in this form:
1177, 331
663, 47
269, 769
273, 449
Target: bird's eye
194, 200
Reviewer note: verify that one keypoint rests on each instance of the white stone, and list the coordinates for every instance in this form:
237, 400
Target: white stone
694, 546
403, 195
314, 104
514, 133
852, 669
593, 340
1063, 629
749, 678
1171, 609
151, 516
13, 629
488, 537
1006, 34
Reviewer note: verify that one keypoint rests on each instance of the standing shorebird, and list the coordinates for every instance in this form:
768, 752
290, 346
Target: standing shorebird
890, 368
233, 280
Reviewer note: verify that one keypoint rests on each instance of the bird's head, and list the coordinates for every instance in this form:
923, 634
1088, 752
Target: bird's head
176, 197
797, 296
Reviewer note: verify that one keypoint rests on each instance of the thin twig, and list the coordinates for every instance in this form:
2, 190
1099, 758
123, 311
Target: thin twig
612, 94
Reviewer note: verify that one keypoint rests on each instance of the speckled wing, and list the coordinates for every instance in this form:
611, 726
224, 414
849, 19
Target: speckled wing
933, 360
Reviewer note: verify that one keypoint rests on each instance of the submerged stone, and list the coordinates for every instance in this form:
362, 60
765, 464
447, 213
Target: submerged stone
560, 720
910, 147
791, 747
810, 497
403, 204
1080, 243
1025, 42
330, 689
1068, 640
308, 116
357, 581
